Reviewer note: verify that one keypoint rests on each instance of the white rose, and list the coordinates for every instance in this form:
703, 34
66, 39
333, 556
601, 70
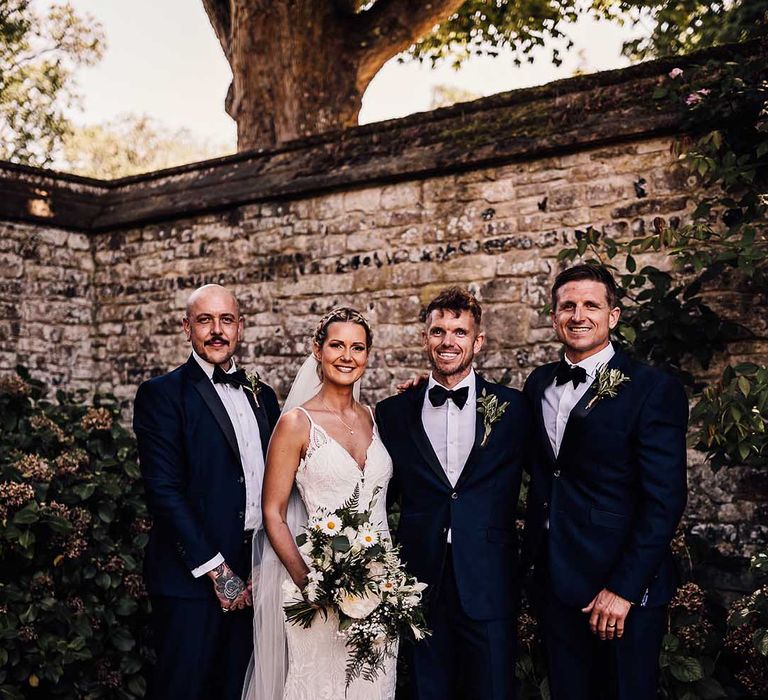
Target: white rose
376, 569
359, 607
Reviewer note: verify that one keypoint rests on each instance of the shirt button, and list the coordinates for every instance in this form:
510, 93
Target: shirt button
241, 480
454, 495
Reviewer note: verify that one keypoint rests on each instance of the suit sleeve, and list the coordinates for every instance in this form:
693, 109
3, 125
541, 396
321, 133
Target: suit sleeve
158, 426
662, 485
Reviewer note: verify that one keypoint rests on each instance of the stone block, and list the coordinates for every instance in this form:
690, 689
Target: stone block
401, 196
367, 200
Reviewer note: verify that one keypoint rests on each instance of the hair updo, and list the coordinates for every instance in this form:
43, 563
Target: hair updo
342, 314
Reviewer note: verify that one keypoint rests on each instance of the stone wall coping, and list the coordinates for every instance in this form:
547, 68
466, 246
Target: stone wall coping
560, 117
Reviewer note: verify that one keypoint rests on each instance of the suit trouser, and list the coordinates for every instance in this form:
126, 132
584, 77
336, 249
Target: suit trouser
463, 659
582, 667
202, 653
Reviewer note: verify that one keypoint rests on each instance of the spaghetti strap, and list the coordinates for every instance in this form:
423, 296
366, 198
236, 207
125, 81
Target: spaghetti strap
373, 418
306, 413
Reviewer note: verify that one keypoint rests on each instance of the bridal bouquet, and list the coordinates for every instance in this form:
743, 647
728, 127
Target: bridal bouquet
357, 574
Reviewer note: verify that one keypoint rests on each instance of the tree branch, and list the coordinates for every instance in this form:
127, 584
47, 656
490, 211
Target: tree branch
220, 16
391, 26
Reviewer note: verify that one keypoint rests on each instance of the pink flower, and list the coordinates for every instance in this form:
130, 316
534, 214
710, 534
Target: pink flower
696, 97
675, 73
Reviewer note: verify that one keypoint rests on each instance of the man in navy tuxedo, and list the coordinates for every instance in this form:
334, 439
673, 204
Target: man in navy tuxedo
202, 433
457, 444
608, 488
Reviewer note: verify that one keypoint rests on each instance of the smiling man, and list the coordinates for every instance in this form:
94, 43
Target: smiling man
202, 433
457, 470
608, 488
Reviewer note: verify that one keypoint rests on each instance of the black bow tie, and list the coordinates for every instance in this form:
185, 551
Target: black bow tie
568, 373
235, 379
438, 395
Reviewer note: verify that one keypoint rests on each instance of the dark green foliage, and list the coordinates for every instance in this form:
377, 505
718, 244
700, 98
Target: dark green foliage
732, 416
483, 27
73, 611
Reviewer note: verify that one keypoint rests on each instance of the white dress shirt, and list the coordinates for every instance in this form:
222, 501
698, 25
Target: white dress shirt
249, 445
558, 401
451, 430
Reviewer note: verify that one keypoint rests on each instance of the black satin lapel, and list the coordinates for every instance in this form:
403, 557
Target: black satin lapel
586, 405
420, 435
208, 393
475, 453
539, 410
261, 418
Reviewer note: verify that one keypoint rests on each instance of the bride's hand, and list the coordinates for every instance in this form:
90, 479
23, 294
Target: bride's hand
412, 383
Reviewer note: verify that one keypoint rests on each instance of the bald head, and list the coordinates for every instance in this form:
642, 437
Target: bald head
201, 295
212, 323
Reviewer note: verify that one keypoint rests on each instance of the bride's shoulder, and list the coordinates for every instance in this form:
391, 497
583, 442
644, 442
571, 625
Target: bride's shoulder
294, 420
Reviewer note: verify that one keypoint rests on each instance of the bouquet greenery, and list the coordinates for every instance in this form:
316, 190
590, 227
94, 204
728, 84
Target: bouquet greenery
357, 574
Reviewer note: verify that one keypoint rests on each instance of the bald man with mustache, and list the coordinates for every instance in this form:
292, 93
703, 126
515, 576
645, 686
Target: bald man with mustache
202, 432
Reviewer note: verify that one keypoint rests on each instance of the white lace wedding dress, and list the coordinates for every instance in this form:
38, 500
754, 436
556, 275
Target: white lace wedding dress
317, 656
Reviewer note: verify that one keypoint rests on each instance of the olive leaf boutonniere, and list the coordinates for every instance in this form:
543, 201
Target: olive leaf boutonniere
607, 383
255, 386
491, 410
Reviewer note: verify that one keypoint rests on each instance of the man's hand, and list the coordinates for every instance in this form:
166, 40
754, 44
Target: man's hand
411, 383
609, 612
229, 588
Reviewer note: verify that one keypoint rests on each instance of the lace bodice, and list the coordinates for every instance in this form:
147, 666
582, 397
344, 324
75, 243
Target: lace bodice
328, 474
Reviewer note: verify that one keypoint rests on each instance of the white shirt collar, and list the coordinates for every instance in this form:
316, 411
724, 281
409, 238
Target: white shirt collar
468, 381
591, 363
208, 368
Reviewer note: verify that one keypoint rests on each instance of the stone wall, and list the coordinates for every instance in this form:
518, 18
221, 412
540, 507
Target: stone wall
46, 303
95, 274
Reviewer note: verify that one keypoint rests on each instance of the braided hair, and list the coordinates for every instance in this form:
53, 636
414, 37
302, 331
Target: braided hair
342, 314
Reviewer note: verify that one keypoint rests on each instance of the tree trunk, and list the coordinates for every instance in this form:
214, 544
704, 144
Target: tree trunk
300, 67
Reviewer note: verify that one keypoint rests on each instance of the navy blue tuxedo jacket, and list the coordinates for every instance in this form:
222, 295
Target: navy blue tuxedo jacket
616, 491
480, 510
193, 477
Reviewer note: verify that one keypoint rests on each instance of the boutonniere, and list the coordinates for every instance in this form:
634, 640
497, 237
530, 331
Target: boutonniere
607, 382
491, 410
254, 385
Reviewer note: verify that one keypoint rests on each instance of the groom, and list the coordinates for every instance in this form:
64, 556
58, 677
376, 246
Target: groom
608, 488
457, 443
202, 434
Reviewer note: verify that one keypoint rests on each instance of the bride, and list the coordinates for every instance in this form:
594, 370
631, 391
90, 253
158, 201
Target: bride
324, 446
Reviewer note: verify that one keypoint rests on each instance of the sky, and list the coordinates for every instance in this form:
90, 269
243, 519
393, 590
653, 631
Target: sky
164, 60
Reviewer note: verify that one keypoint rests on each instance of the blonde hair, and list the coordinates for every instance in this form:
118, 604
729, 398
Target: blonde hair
341, 314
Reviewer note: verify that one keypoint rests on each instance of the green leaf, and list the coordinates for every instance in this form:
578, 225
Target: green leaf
122, 640
628, 333
27, 539
631, 264
686, 669
744, 385
340, 543
27, 515
760, 640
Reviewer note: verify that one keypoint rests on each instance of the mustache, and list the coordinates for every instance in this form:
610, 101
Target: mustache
217, 338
